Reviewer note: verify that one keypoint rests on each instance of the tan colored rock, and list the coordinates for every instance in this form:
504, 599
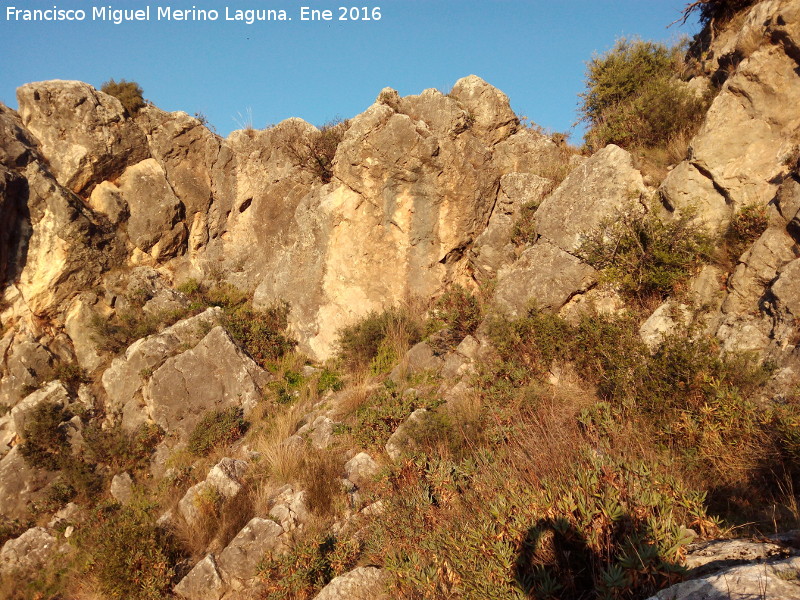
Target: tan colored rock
527, 151
19, 485
361, 469
28, 553
687, 189
155, 223
127, 375
597, 190
224, 480
203, 582
545, 276
488, 108
84, 133
667, 319
290, 508
362, 583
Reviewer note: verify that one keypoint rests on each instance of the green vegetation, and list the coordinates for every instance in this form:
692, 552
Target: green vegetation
129, 93
456, 313
373, 342
746, 227
310, 564
644, 255
217, 429
128, 554
634, 98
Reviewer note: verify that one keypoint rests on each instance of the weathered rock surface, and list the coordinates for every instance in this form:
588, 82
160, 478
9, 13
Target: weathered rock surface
404, 437
363, 583
203, 582
214, 375
20, 484
240, 558
85, 134
361, 469
28, 553
224, 480
545, 276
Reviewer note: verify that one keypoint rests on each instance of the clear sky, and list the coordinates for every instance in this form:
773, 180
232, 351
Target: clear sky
533, 50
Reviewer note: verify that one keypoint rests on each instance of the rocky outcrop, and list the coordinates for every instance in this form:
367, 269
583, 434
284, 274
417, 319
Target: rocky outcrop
28, 553
86, 135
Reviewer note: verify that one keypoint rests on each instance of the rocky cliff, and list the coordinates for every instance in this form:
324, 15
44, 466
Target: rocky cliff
110, 223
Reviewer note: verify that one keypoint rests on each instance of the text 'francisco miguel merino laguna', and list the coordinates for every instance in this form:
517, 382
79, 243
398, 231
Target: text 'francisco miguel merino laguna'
167, 13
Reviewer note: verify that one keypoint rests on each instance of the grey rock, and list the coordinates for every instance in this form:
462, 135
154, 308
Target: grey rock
319, 432
241, 556
599, 189
203, 582
363, 583
361, 469
213, 375
404, 437
667, 319
420, 358
545, 276
224, 480
290, 508
28, 553
122, 488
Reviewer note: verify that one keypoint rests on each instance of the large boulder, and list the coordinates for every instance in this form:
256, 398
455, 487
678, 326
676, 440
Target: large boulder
85, 134
214, 375
363, 583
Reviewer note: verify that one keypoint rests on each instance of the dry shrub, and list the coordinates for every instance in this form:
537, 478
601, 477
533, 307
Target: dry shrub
320, 476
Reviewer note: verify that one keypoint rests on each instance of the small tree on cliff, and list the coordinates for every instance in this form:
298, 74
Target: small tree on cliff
127, 92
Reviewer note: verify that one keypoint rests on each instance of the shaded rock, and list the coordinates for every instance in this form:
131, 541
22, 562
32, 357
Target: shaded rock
26, 364
214, 375
28, 553
361, 469
122, 488
20, 484
716, 554
242, 555
363, 583
493, 247
786, 290
598, 189
545, 276
203, 582
84, 133
17, 147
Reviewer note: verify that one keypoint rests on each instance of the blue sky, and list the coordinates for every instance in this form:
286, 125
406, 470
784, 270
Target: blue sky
535, 51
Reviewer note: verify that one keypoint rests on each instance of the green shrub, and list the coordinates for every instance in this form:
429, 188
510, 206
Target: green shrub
329, 380
645, 256
745, 228
128, 554
118, 449
261, 332
46, 444
217, 428
307, 567
458, 311
524, 232
71, 375
633, 97
129, 93
372, 341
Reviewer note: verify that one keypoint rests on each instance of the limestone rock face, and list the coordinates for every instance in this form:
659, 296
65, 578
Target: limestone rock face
487, 107
410, 192
596, 190
214, 375
85, 134
239, 560
155, 223
19, 485
203, 582
127, 375
544, 275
